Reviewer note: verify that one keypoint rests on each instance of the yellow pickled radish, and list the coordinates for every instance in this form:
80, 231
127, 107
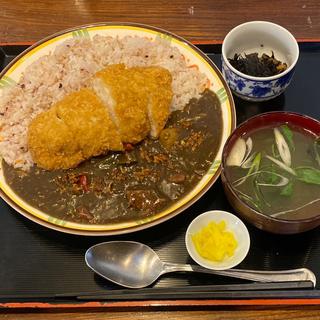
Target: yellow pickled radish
214, 242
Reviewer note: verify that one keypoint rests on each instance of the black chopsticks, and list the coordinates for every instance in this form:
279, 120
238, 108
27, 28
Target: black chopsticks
202, 292
255, 290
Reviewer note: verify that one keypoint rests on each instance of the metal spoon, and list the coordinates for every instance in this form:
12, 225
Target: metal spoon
135, 265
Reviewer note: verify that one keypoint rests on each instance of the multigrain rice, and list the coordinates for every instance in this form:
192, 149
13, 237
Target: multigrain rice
68, 69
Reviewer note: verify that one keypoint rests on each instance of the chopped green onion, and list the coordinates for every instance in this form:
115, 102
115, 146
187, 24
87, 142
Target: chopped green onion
255, 164
253, 169
259, 194
308, 175
249, 146
282, 165
316, 147
287, 132
287, 190
278, 214
248, 199
283, 181
248, 162
283, 147
237, 153
274, 151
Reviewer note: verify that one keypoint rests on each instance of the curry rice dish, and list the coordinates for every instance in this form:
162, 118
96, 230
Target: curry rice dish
136, 97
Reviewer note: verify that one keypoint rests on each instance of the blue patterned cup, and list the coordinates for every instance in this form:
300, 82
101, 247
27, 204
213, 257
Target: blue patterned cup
261, 37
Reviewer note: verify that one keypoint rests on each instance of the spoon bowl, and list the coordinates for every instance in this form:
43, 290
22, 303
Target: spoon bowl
130, 264
135, 265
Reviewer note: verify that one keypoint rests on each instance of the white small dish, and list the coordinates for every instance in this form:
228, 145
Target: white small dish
233, 224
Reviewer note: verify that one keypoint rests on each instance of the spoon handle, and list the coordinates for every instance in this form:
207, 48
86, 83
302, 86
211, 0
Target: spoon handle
301, 274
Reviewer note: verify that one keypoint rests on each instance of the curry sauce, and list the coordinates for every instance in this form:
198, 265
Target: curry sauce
141, 181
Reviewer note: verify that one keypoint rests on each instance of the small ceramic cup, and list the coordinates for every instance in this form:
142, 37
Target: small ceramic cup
261, 37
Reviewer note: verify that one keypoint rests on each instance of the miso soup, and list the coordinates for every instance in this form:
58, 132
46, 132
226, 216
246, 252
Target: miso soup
276, 170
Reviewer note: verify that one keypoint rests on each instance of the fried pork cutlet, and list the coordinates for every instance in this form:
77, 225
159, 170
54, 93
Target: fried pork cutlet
156, 81
138, 99
124, 106
126, 102
51, 143
74, 129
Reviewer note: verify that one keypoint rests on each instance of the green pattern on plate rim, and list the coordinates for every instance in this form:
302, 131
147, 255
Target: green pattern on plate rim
145, 220
6, 82
222, 95
81, 33
57, 221
164, 36
214, 167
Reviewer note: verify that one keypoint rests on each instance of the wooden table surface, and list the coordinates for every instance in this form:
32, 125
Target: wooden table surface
201, 21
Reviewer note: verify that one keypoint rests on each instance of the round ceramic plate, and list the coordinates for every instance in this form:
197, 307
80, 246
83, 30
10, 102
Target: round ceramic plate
12, 73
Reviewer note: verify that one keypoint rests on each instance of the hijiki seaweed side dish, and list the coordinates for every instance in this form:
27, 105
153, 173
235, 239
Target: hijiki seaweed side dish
258, 66
276, 170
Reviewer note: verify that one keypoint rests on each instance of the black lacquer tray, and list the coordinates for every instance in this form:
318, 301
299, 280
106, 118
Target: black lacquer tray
42, 267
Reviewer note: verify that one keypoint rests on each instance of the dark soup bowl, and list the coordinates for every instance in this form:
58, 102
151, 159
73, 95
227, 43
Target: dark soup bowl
271, 172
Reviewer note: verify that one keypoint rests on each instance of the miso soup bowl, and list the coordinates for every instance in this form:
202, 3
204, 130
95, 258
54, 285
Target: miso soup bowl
242, 209
260, 37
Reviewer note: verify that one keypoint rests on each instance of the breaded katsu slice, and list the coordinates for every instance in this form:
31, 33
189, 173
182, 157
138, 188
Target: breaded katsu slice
126, 102
138, 99
87, 117
51, 143
74, 129
156, 81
